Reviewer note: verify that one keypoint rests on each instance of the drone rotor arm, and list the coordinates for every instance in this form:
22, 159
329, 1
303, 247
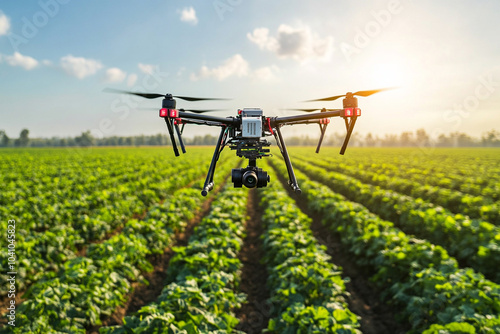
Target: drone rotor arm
285, 120
198, 122
186, 116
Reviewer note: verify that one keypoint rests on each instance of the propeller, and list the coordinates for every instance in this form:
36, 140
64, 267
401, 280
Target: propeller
363, 93
311, 110
156, 95
197, 111
306, 110
200, 111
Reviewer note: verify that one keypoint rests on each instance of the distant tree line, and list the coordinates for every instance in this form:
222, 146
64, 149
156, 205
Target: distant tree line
418, 138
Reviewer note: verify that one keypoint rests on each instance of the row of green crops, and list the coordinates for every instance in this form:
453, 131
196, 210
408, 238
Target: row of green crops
42, 199
473, 242
471, 171
203, 277
419, 277
73, 226
87, 289
469, 167
307, 291
455, 201
47, 251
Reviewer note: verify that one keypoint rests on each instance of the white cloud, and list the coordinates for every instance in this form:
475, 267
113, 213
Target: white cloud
18, 59
299, 43
266, 73
147, 68
80, 67
114, 74
188, 15
260, 36
234, 66
132, 78
4, 24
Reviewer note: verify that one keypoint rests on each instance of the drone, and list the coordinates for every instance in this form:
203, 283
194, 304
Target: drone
247, 131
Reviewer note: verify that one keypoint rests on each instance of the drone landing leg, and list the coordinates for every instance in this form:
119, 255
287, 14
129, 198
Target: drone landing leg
180, 138
171, 132
348, 135
323, 129
209, 182
292, 180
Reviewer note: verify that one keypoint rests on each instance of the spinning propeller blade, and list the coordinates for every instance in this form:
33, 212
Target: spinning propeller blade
306, 110
363, 93
200, 111
144, 95
156, 95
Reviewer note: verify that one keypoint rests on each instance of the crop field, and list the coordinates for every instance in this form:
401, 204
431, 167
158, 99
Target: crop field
120, 240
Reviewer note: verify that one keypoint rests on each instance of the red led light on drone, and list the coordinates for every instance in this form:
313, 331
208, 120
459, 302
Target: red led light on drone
351, 112
171, 113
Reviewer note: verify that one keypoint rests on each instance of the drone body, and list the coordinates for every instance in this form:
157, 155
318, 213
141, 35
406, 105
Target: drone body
247, 131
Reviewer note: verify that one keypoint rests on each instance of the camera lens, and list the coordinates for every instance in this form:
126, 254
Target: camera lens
250, 179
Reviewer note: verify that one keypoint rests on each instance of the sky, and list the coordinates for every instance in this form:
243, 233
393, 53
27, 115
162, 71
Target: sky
57, 57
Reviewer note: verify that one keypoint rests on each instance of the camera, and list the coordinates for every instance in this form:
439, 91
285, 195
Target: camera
250, 177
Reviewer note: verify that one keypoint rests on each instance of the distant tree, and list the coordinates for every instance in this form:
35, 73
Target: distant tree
23, 139
370, 140
85, 139
491, 138
4, 139
444, 141
406, 139
390, 140
422, 137
462, 139
140, 140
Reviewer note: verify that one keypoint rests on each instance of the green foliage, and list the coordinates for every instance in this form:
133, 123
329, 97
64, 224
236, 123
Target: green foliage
86, 289
307, 291
202, 278
416, 275
474, 242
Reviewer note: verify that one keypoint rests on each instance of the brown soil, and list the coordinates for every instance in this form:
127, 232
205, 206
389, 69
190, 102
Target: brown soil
254, 314
365, 300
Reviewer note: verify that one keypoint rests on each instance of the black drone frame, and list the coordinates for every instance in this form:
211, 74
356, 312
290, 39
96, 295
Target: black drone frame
246, 132
251, 145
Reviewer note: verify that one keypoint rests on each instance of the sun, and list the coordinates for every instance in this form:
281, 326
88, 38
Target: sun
388, 71
388, 75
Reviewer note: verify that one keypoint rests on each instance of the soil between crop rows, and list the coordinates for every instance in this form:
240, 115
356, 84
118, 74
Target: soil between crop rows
253, 315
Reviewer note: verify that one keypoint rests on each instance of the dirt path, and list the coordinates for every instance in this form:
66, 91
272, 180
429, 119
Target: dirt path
254, 315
